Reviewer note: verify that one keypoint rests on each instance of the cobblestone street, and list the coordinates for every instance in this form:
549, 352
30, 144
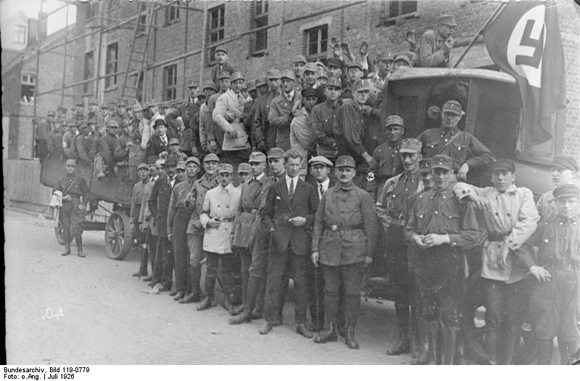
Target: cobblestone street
108, 318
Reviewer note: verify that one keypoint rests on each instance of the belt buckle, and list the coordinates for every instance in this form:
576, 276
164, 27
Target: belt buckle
334, 228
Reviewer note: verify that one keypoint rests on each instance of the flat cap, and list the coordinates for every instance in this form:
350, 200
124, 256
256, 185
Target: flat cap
244, 168
321, 160
403, 57
152, 159
80, 103
71, 162
137, 107
225, 168
193, 159
321, 64
335, 62
113, 122
224, 75
385, 56
192, 83
173, 141
288, 74
565, 162
442, 161
394, 119
51, 113
251, 85
345, 161
334, 82
361, 85
447, 20
503, 165
425, 165
257, 157
171, 160
453, 106
411, 145
211, 157
275, 153
93, 101
143, 166
274, 74
159, 122
209, 85
310, 93
261, 81
104, 106
311, 66
180, 165
566, 190
299, 58
237, 75
354, 64
220, 48
323, 74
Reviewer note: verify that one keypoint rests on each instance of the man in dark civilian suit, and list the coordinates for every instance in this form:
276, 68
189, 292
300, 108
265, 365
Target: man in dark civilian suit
160, 141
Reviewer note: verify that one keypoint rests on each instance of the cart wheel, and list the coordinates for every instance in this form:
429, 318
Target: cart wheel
118, 235
58, 232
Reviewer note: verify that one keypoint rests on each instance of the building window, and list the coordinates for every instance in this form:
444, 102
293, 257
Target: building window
317, 43
27, 88
395, 9
89, 72
172, 13
216, 25
142, 27
259, 40
111, 65
20, 34
170, 82
92, 9
113, 4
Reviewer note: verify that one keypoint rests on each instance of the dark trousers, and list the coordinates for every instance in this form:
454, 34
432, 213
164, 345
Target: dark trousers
180, 248
397, 261
277, 264
213, 262
315, 279
70, 219
164, 262
351, 278
246, 261
148, 253
505, 302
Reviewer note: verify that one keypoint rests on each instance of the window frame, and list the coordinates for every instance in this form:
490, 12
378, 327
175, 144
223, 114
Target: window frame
20, 30
220, 29
28, 83
111, 82
260, 9
169, 87
320, 54
173, 8
391, 19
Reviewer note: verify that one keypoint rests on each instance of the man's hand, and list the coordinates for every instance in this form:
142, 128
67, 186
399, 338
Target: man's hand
170, 237
197, 224
366, 110
81, 207
481, 203
298, 221
418, 239
462, 172
68, 197
502, 257
213, 146
129, 143
262, 146
368, 260
435, 239
315, 257
541, 274
367, 157
214, 223
448, 45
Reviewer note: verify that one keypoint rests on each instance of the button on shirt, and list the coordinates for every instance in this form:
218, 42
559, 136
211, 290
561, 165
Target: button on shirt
392, 205
386, 161
321, 121
221, 202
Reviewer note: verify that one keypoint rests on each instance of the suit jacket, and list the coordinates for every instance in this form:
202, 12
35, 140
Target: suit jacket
279, 209
159, 202
156, 146
313, 182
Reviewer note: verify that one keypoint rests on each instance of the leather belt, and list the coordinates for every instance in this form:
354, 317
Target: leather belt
496, 237
252, 211
395, 215
227, 219
336, 228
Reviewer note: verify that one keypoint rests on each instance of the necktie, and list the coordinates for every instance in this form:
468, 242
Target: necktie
164, 140
291, 191
321, 190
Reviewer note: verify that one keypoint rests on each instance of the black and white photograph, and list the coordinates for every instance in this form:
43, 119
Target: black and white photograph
290, 182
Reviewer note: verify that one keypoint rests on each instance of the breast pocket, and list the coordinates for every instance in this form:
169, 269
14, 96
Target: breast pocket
450, 220
423, 218
460, 149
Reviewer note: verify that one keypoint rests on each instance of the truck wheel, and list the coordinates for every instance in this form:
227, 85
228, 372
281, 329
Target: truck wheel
118, 235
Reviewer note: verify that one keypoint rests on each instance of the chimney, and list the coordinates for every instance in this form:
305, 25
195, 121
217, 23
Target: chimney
42, 26
32, 32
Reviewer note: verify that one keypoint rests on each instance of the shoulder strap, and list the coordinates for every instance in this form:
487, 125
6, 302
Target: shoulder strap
449, 142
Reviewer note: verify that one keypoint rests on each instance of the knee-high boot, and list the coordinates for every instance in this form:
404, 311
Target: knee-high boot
79, 243
545, 349
509, 341
194, 274
449, 345
402, 345
65, 236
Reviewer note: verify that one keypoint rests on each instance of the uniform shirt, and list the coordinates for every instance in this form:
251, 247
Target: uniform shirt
321, 122
344, 206
440, 212
217, 69
280, 109
137, 200
322, 187
386, 160
145, 213
67, 140
261, 130
73, 185
54, 143
393, 205
247, 217
251, 194
547, 203
351, 132
194, 201
107, 147
513, 217
220, 202
430, 50
465, 148
84, 145
178, 199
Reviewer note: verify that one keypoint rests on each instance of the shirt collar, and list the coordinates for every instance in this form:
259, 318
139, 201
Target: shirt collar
288, 179
347, 187
289, 95
227, 188
325, 184
260, 177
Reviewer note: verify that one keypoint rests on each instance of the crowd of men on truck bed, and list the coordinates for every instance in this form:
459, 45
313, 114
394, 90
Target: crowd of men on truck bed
317, 196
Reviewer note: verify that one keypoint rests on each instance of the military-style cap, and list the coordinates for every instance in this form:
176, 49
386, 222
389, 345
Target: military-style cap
143, 166
354, 64
237, 75
425, 165
321, 64
159, 122
299, 58
452, 106
447, 20
261, 81
320, 160
334, 82
323, 74
137, 107
385, 56
51, 113
199, 93
192, 83
171, 160
93, 101
257, 157
394, 119
244, 168
403, 57
224, 75
220, 48
311, 66
360, 85
274, 74
275, 153
565, 162
152, 102
173, 141
225, 168
61, 109
211, 157
503, 165
152, 159
411, 145
288, 74
71, 162
335, 62
80, 103
193, 159
345, 161
104, 106
84, 125
180, 165
442, 161
209, 85
122, 102
310, 93
113, 122
566, 190
251, 85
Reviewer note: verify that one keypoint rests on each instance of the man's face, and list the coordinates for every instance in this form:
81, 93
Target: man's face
568, 207
138, 115
401, 63
292, 166
161, 130
237, 85
245, 176
297, 68
446, 31
450, 119
332, 93
310, 102
105, 112
274, 83
79, 109
160, 167
253, 93
224, 178
191, 91
309, 77
385, 65
258, 167
143, 174
174, 148
276, 165
411, 161
320, 172
85, 130
334, 71
262, 89
92, 107
441, 177
152, 170
287, 85
394, 132
209, 92
170, 169
361, 96
210, 167
124, 130
113, 130
192, 170
345, 174
322, 80
221, 57
51, 118
224, 84
427, 179
91, 127
70, 169
180, 174
354, 73
502, 180
562, 176
162, 110
64, 128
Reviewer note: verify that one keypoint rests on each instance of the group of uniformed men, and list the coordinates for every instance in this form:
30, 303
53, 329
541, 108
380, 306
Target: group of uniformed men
314, 183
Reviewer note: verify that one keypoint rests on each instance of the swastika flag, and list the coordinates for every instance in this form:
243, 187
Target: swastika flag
524, 41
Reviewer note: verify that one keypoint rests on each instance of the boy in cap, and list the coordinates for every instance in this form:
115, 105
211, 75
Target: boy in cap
301, 138
222, 64
323, 118
435, 45
281, 110
104, 156
136, 205
245, 173
510, 220
564, 170
79, 111
402, 60
84, 143
263, 135
298, 64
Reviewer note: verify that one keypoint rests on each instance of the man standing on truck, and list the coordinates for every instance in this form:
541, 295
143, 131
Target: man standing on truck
435, 45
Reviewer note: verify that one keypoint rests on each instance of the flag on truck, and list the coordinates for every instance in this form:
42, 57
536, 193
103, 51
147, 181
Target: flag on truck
524, 41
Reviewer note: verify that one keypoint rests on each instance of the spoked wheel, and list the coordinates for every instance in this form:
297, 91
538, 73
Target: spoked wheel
58, 232
118, 235
473, 324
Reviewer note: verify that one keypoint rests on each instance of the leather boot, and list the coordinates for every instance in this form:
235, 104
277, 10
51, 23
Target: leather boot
328, 335
423, 335
238, 310
449, 345
435, 341
79, 243
567, 349
228, 306
244, 317
180, 294
545, 349
206, 303
402, 345
350, 340
65, 236
492, 337
509, 340
195, 282
190, 298
66, 250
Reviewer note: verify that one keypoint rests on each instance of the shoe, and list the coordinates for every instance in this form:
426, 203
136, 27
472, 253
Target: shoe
163, 288
342, 331
314, 327
174, 292
190, 298
66, 251
179, 295
304, 331
206, 303
350, 340
81, 254
138, 273
152, 283
328, 335
401, 347
422, 359
266, 328
147, 279
238, 310
244, 317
